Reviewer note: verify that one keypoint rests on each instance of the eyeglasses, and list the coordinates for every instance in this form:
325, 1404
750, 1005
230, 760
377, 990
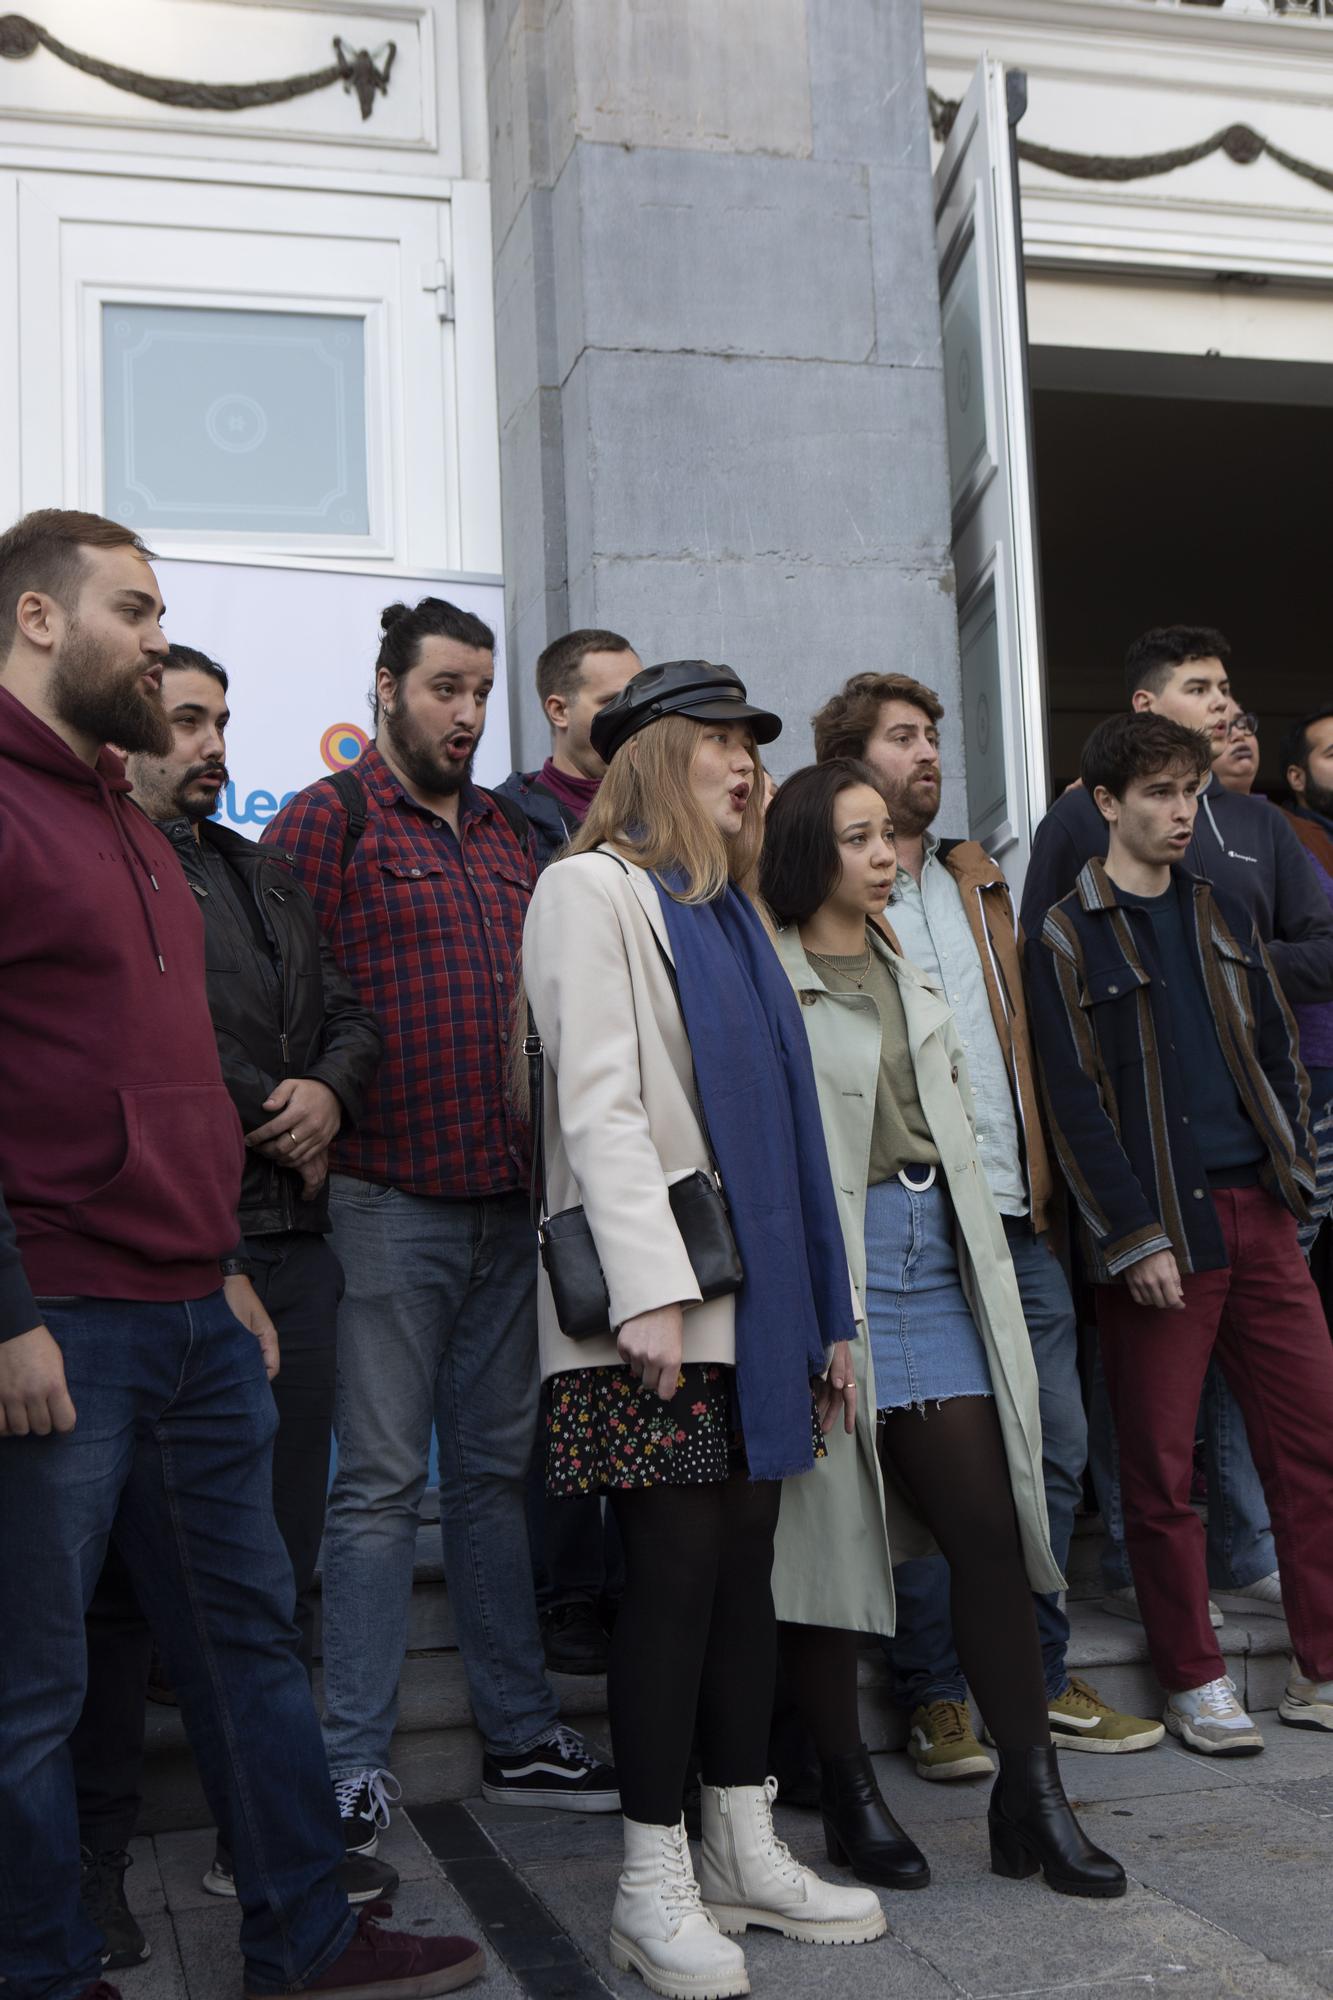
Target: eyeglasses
1245, 724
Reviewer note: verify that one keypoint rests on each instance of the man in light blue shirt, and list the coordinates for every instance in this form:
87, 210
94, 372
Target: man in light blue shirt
952, 915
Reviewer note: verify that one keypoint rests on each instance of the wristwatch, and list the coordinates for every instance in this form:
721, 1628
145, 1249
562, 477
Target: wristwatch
235, 1267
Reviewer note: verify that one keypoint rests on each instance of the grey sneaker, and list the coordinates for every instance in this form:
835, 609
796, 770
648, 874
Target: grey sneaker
1210, 1719
1306, 1704
1124, 1603
1263, 1596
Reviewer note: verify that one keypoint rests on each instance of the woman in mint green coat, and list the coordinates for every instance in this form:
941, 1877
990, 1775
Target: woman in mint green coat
948, 1433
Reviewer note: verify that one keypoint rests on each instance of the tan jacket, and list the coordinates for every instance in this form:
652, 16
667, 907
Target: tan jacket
834, 1556
621, 1114
999, 942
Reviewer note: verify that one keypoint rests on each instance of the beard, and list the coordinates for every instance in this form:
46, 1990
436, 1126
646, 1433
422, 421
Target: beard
200, 805
90, 692
1317, 797
423, 765
913, 804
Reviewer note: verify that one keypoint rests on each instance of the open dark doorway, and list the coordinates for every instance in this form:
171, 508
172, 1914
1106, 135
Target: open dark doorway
1179, 489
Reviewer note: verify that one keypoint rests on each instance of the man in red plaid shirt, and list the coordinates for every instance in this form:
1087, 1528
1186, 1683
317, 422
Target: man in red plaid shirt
421, 883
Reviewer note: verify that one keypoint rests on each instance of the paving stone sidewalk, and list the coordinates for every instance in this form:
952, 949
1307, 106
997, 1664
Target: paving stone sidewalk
1231, 1894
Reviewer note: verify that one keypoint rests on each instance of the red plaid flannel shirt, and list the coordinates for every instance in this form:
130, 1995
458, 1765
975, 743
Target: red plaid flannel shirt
427, 927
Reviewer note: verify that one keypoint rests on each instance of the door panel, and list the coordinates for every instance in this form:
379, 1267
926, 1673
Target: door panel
981, 302
241, 368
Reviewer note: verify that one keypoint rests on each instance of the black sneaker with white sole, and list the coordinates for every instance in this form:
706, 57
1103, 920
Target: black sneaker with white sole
102, 1894
361, 1879
560, 1771
364, 1798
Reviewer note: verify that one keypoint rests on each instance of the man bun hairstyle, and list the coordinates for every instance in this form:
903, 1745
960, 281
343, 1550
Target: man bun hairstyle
1141, 745
189, 659
404, 626
1295, 744
846, 722
1154, 656
45, 551
559, 666
799, 863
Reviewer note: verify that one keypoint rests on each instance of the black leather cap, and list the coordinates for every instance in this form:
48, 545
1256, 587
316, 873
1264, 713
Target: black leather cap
678, 687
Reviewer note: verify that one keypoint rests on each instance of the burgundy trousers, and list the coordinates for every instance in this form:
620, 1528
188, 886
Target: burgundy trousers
1263, 1317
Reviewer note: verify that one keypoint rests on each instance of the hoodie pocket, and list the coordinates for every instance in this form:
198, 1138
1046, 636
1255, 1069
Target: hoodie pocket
173, 1198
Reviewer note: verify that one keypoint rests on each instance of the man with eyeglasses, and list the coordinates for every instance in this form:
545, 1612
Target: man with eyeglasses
1236, 759
1247, 848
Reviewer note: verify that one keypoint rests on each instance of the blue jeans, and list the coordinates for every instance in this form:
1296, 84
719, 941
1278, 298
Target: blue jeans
172, 1457
437, 1328
1240, 1542
925, 1665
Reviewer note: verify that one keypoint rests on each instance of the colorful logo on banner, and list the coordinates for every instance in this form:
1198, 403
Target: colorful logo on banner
341, 744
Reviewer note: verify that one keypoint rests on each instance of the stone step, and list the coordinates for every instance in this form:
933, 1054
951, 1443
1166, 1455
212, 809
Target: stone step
436, 1752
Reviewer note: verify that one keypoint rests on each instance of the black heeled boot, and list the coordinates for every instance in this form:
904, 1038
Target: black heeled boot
1032, 1826
860, 1832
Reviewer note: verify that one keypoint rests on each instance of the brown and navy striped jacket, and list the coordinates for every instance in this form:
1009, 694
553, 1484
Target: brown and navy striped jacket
1113, 1079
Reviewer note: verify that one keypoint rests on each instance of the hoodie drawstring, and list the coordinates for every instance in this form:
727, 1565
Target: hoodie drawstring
138, 867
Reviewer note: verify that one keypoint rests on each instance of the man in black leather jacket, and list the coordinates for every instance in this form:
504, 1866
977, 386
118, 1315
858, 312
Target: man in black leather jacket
298, 1052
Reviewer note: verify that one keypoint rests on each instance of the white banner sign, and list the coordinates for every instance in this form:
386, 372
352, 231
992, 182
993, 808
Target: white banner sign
299, 648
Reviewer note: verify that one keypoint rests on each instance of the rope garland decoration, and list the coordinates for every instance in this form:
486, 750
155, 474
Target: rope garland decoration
1240, 143
357, 70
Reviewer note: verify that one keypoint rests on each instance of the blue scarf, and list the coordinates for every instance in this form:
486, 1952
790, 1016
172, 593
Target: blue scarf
757, 1083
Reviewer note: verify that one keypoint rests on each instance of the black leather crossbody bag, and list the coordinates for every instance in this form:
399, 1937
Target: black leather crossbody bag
568, 1252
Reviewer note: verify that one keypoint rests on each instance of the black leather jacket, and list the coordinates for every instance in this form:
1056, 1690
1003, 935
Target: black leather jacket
308, 1022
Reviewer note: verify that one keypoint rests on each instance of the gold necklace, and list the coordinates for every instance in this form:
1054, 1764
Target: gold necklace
842, 971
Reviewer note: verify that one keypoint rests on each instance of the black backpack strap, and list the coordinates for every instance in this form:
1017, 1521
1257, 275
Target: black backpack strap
519, 824
352, 795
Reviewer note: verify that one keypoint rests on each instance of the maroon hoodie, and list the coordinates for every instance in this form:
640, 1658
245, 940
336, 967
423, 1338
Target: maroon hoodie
120, 1150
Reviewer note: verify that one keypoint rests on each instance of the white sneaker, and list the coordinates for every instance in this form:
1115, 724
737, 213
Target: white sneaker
1306, 1704
1211, 1720
1263, 1596
659, 1926
1124, 1603
749, 1876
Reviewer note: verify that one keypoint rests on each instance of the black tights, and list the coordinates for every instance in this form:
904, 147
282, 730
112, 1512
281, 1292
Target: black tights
950, 1462
694, 1635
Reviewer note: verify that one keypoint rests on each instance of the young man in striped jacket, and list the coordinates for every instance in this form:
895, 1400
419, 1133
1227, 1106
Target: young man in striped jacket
1179, 1114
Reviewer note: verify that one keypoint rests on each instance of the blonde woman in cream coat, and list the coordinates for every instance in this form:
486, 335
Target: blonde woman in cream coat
675, 1416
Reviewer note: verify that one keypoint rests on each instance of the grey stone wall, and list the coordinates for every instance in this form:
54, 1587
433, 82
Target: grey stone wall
721, 406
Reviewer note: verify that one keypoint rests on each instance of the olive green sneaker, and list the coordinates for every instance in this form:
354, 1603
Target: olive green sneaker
943, 1745
1081, 1720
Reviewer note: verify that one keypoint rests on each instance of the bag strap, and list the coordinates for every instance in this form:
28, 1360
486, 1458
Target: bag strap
535, 1051
352, 794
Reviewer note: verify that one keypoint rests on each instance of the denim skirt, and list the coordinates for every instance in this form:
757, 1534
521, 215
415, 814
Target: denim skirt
923, 1337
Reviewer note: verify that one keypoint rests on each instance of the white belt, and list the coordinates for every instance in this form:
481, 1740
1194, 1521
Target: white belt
917, 1187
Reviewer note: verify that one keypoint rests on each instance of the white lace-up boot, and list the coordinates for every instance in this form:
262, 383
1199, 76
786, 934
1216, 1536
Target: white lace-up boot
660, 1928
749, 1876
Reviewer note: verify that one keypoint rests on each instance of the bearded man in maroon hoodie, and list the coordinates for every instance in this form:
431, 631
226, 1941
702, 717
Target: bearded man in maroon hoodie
134, 1400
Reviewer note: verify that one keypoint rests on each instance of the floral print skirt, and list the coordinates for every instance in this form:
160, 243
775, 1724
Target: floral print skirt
604, 1429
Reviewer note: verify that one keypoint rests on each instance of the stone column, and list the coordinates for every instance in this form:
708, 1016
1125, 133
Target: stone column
721, 403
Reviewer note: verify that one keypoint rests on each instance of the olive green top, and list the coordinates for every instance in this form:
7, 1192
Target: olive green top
900, 1136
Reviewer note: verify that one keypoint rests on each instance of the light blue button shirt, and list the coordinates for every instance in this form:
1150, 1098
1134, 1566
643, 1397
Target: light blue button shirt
931, 926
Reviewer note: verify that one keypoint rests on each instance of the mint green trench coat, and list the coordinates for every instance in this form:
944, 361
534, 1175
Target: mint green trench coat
836, 1542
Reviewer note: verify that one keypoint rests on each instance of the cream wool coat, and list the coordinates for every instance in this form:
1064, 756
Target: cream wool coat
621, 1119
834, 1553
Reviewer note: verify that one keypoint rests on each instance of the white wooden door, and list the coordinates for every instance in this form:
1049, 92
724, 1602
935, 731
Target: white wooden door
242, 370
999, 621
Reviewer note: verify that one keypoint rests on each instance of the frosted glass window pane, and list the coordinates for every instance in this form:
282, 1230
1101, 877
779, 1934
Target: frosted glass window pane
248, 421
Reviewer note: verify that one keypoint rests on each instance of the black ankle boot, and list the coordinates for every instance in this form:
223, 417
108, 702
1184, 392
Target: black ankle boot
1032, 1826
860, 1832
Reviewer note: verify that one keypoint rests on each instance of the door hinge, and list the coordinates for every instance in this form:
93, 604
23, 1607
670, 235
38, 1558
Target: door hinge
435, 278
